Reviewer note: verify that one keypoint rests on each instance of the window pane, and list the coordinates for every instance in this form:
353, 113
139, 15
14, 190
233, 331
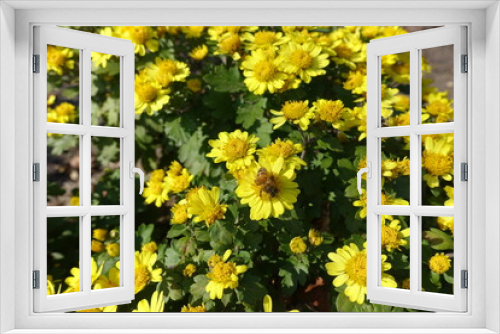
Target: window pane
105, 171
437, 169
105, 89
437, 84
63, 169
395, 168
63, 86
395, 243
395, 95
63, 255
437, 254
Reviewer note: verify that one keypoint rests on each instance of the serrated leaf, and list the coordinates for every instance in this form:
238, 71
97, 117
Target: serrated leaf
144, 232
225, 80
176, 230
197, 289
438, 239
249, 112
172, 258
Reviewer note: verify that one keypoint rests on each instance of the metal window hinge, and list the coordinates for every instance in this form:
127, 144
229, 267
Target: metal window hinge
36, 63
464, 279
36, 279
465, 64
464, 171
36, 172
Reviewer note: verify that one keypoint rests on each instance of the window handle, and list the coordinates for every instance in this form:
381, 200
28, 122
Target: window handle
368, 172
134, 170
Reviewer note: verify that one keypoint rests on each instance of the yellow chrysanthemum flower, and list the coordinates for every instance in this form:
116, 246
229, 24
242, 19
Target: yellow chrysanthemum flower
349, 265
73, 281
334, 113
230, 44
193, 31
194, 85
189, 270
305, 61
268, 189
262, 74
144, 272
298, 246
51, 288
350, 52
392, 235
448, 223
100, 59
179, 213
104, 309
165, 71
315, 237
189, 308
110, 281
96, 246
440, 263
296, 112
150, 96
223, 275
157, 304
356, 82
100, 234
438, 107
265, 40
235, 148
177, 180
437, 159
205, 206
142, 37
154, 188
113, 249
149, 247
62, 113
199, 52
285, 149
59, 58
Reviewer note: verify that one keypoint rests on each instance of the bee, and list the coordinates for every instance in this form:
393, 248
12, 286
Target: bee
266, 182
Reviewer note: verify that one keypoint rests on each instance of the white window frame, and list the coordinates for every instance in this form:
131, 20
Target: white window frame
484, 102
414, 43
125, 210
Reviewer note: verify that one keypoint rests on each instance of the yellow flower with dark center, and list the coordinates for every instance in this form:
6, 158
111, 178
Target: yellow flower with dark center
223, 275
73, 282
298, 246
235, 148
437, 159
440, 263
59, 58
229, 44
189, 270
144, 272
349, 267
268, 189
165, 71
179, 213
149, 247
150, 96
392, 235
285, 149
194, 85
142, 37
113, 249
265, 40
189, 308
262, 74
204, 205
304, 60
154, 188
315, 237
199, 52
296, 112
157, 304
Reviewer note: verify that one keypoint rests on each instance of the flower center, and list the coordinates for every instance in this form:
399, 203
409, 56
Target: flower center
264, 38
343, 51
437, 107
330, 111
437, 164
356, 268
403, 119
236, 148
264, 71
302, 59
230, 44
389, 237
55, 58
294, 110
146, 92
139, 35
142, 276
156, 188
179, 183
281, 149
222, 271
215, 214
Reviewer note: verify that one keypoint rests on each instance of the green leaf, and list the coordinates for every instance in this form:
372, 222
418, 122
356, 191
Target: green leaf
202, 236
221, 237
435, 278
144, 232
225, 80
263, 131
197, 289
172, 258
253, 291
438, 239
192, 154
448, 278
176, 230
344, 304
250, 111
